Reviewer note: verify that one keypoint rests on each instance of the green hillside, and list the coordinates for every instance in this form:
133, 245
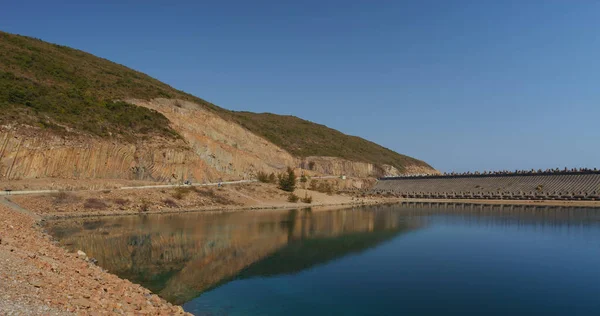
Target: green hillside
54, 86
64, 89
304, 138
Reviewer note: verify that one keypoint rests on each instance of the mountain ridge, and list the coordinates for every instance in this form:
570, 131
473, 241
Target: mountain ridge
68, 91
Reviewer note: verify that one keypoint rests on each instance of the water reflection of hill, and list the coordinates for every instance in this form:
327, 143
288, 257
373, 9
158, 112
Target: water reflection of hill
180, 256
304, 254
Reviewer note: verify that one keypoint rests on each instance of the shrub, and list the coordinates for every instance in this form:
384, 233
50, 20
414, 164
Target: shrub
293, 198
121, 202
181, 192
287, 181
307, 199
266, 178
94, 204
262, 177
170, 203
207, 193
145, 207
210, 193
64, 197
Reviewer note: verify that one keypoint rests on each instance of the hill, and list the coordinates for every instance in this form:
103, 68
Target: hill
304, 139
66, 90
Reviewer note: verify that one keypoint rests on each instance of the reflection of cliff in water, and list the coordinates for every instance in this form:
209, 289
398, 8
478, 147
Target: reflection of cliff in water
181, 256
305, 253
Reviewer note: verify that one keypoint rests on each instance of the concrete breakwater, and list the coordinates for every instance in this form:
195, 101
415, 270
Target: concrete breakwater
560, 186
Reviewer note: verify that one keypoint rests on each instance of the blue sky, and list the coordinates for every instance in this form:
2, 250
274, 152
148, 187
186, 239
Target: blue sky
463, 85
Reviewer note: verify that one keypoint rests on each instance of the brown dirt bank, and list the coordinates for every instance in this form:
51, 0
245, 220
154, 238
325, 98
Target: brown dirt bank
38, 277
181, 199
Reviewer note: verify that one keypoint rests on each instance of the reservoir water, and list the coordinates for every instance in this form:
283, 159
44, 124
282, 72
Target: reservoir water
417, 259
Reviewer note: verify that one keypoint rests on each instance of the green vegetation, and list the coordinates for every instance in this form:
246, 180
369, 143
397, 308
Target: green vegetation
57, 87
303, 179
266, 178
293, 198
304, 138
307, 198
262, 177
287, 181
63, 89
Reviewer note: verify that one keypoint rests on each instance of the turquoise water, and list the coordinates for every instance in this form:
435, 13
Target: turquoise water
383, 260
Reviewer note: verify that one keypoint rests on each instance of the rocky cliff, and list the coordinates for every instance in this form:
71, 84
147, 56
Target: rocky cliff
67, 114
223, 145
210, 148
338, 166
30, 153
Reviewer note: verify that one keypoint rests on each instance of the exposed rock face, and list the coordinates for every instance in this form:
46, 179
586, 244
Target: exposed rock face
212, 148
28, 153
225, 146
420, 170
338, 166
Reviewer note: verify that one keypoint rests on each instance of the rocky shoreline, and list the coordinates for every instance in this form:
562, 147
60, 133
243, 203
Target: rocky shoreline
38, 277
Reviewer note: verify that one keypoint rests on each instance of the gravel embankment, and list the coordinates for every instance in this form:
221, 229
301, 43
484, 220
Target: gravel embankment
38, 277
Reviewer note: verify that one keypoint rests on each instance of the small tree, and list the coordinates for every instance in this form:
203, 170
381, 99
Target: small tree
307, 198
262, 177
266, 178
293, 198
287, 182
303, 180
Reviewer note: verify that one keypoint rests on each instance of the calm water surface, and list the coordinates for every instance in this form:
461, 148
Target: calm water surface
383, 260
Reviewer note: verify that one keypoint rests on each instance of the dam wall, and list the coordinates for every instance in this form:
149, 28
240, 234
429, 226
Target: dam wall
534, 186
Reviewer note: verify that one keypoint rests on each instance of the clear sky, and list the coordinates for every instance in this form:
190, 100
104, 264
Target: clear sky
463, 85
